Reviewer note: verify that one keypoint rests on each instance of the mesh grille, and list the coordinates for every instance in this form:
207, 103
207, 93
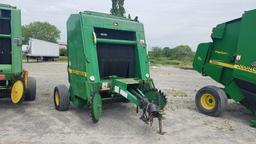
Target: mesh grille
116, 60
5, 51
5, 24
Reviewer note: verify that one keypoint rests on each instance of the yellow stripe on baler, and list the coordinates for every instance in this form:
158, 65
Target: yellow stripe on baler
234, 66
77, 72
222, 64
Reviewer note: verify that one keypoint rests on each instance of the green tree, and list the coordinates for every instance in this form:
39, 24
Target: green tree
166, 52
182, 52
156, 52
41, 30
63, 52
118, 8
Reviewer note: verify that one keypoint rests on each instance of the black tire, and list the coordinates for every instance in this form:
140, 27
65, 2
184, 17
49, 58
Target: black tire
31, 90
61, 104
211, 100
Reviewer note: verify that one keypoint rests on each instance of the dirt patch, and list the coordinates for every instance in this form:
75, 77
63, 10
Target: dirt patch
39, 122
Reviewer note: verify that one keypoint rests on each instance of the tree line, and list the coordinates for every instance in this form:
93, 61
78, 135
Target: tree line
181, 53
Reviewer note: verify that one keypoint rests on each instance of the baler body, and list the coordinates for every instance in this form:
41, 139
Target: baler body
101, 46
10, 43
230, 59
14, 81
108, 62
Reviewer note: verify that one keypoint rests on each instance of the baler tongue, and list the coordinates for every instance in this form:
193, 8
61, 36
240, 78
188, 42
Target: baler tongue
131, 89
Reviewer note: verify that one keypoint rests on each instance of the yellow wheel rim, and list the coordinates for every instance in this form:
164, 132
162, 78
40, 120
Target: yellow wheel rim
208, 101
57, 98
17, 91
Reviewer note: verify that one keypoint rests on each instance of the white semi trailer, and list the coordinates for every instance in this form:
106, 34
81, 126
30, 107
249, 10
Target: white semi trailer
41, 50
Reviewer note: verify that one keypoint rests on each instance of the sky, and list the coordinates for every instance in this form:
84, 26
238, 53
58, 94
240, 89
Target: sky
168, 23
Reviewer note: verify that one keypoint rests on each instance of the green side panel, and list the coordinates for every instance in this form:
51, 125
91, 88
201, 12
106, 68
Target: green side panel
222, 49
16, 42
143, 65
247, 49
201, 56
77, 58
234, 92
218, 32
225, 47
213, 71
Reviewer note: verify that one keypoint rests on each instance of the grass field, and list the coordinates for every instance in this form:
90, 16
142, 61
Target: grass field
166, 61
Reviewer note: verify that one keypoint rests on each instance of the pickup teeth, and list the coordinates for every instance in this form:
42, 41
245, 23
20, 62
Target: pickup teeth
153, 91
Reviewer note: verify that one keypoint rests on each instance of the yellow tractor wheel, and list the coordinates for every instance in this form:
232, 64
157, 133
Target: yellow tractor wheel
208, 101
211, 100
61, 98
17, 92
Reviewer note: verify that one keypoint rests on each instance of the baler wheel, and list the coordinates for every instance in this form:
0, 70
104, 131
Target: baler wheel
211, 100
61, 98
31, 90
96, 107
17, 92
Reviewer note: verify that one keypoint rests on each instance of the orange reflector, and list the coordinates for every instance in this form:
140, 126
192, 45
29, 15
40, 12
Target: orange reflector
2, 77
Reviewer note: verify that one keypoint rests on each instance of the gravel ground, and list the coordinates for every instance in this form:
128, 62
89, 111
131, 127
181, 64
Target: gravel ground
39, 122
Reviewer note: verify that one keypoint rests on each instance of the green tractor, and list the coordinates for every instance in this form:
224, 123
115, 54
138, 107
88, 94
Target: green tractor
14, 81
230, 60
108, 63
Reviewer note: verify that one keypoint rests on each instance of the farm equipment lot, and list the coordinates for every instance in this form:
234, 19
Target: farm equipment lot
39, 122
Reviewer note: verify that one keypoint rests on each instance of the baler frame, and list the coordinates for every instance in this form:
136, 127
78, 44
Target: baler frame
107, 62
229, 60
14, 81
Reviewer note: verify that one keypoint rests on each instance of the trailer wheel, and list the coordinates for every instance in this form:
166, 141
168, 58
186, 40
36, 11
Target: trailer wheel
31, 90
211, 100
96, 107
61, 98
17, 92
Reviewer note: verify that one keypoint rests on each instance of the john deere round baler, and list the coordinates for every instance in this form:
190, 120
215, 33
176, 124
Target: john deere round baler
14, 81
230, 60
108, 62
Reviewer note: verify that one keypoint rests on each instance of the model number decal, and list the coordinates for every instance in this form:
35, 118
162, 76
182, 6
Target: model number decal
232, 66
245, 68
